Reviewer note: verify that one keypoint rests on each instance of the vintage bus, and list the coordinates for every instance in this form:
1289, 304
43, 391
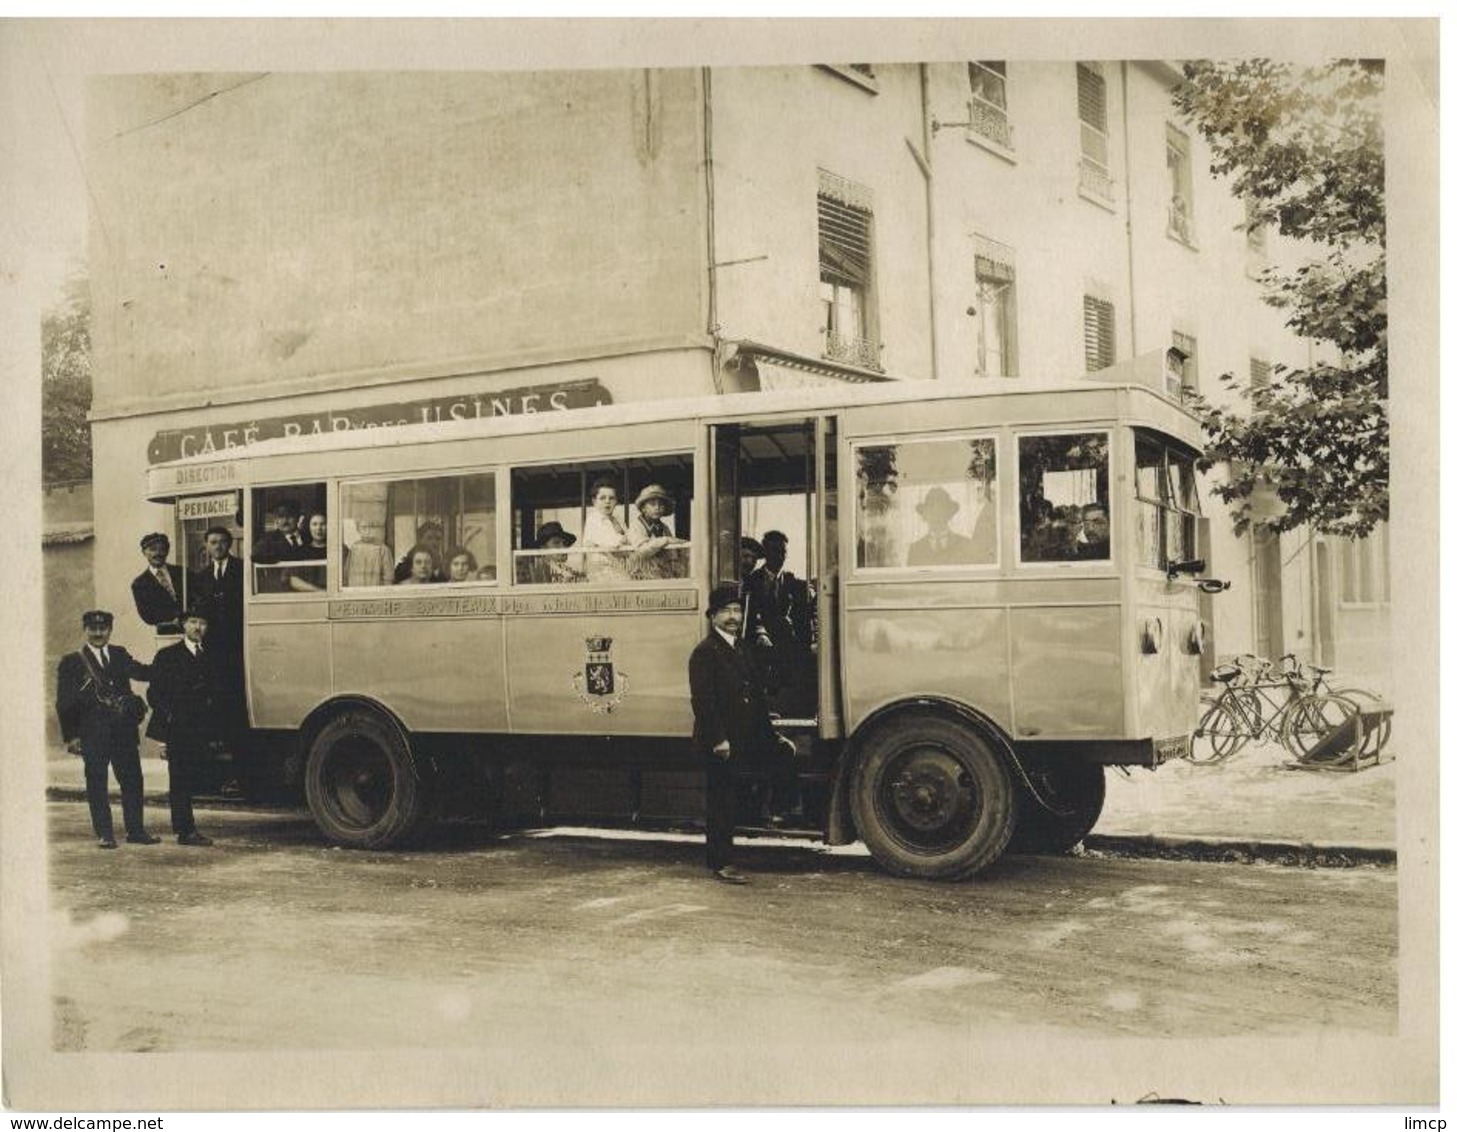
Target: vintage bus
1002, 581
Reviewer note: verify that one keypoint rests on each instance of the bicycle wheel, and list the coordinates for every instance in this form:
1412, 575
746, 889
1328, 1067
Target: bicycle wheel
1220, 734
1313, 717
1374, 739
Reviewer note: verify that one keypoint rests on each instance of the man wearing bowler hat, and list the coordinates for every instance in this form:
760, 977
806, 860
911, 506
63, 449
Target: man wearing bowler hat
157, 590
731, 725
186, 695
99, 716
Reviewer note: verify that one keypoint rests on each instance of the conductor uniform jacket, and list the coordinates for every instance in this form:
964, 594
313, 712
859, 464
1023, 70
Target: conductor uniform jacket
102, 732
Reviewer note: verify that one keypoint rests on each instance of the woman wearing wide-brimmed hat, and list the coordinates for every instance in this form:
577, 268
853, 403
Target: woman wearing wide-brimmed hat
653, 542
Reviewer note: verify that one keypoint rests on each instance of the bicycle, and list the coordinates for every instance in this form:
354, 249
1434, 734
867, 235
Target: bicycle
1239, 713
1373, 739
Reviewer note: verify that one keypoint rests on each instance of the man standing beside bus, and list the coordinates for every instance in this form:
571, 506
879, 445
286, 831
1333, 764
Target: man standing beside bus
731, 725
217, 591
99, 715
184, 698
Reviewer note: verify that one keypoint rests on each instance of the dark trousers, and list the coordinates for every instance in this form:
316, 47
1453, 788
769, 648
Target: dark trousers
721, 807
128, 767
182, 765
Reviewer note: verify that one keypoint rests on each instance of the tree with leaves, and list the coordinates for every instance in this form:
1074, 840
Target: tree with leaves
1303, 146
66, 385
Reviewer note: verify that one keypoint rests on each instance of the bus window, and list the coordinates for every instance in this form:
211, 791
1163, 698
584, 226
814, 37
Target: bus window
1168, 503
290, 553
625, 520
927, 503
1063, 485
440, 529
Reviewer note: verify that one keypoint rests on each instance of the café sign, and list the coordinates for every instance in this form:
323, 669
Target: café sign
172, 444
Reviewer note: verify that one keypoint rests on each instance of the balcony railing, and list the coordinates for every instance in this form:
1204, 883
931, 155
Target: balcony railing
1093, 179
856, 351
990, 121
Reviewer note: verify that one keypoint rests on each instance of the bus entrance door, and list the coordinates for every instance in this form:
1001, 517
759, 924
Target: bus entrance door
768, 515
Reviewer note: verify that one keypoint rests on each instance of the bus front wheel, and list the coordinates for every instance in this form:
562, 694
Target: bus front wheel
933, 798
361, 782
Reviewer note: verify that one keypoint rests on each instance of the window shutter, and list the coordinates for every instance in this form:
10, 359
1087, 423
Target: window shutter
1098, 352
1189, 345
1259, 373
1092, 98
844, 229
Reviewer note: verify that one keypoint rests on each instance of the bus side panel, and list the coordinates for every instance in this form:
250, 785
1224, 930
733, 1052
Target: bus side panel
957, 653
436, 674
603, 674
1067, 678
288, 662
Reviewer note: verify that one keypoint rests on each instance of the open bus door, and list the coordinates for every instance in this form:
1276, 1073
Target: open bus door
780, 477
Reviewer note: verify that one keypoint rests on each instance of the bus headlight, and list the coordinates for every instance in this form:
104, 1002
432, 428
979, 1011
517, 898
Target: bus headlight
1197, 637
1153, 635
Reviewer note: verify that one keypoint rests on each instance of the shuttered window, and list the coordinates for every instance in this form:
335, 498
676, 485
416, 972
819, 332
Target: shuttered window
996, 309
1093, 113
846, 226
1093, 174
1189, 346
1259, 373
1181, 184
1098, 334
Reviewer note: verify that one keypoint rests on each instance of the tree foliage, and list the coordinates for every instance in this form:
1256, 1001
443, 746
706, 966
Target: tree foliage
1303, 147
66, 386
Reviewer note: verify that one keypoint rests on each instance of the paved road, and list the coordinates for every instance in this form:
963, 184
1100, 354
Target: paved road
272, 940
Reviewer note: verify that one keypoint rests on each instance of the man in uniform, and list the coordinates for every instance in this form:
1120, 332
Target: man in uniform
99, 715
157, 590
184, 695
731, 726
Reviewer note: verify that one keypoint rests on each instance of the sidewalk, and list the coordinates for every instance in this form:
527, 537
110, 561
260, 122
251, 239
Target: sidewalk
1251, 804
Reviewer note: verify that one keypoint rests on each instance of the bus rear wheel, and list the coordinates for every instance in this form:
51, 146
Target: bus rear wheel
933, 798
1076, 791
361, 782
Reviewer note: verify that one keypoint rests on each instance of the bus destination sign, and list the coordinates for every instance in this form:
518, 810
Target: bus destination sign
176, 443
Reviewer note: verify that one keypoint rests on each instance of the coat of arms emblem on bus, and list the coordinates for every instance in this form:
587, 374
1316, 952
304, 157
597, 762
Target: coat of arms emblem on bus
600, 684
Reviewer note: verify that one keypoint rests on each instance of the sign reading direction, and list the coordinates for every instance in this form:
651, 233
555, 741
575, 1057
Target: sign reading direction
172, 444
223, 506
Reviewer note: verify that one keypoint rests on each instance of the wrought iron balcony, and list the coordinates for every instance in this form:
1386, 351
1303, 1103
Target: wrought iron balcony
856, 351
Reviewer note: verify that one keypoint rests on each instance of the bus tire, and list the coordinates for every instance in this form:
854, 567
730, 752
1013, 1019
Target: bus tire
1077, 790
933, 798
361, 782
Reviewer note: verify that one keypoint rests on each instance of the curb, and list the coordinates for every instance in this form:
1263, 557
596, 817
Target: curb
1306, 854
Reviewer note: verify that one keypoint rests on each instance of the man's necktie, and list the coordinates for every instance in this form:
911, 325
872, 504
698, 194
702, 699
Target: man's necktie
166, 580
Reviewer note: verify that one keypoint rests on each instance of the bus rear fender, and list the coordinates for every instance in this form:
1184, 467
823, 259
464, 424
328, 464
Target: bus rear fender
840, 825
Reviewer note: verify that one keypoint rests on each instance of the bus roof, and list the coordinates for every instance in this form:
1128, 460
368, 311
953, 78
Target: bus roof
755, 404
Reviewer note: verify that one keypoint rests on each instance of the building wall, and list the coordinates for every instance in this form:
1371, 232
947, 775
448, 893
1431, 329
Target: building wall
773, 129
276, 233
1026, 196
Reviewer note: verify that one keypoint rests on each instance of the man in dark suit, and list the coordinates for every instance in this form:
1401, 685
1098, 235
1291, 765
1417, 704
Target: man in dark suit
731, 726
779, 614
157, 590
98, 715
1091, 541
280, 543
940, 545
184, 698
217, 591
